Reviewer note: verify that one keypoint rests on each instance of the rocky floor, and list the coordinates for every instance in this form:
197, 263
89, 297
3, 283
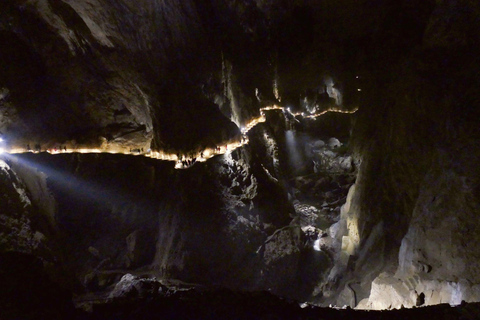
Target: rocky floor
225, 304
319, 195
147, 298
260, 305
325, 189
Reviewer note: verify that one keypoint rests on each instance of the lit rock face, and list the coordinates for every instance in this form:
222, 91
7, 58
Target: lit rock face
438, 257
130, 286
184, 75
439, 242
19, 230
421, 184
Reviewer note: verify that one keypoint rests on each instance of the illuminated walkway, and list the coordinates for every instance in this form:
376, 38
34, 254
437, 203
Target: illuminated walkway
184, 162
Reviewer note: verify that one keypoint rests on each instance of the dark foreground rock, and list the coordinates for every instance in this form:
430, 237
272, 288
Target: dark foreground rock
28, 293
224, 304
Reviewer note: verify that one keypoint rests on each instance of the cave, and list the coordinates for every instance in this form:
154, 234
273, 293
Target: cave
250, 159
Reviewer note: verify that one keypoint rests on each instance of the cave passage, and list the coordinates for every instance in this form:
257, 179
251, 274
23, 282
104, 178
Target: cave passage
156, 154
181, 161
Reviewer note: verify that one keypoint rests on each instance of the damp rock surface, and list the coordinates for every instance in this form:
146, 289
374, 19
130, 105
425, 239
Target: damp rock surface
355, 183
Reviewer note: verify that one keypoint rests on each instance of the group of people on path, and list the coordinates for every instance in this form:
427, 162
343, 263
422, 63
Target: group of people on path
183, 161
38, 148
187, 163
138, 150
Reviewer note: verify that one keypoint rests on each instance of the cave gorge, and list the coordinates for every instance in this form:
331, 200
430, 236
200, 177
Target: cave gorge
239, 159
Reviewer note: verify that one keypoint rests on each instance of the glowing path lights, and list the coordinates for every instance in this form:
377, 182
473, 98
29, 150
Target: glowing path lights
316, 115
203, 156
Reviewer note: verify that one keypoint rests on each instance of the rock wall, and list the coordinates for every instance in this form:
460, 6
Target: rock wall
18, 220
437, 260
234, 221
87, 73
108, 214
93, 75
419, 176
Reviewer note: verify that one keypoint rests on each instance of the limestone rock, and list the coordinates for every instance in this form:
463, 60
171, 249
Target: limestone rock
282, 244
17, 233
318, 144
389, 293
132, 287
334, 143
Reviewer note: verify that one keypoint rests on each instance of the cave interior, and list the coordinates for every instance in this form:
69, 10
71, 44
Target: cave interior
251, 159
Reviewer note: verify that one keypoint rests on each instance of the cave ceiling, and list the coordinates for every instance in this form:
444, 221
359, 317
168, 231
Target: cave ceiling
177, 75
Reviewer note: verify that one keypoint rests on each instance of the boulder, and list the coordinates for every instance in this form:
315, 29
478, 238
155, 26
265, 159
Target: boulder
319, 144
334, 143
133, 287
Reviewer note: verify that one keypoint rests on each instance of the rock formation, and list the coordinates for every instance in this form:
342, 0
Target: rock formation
327, 152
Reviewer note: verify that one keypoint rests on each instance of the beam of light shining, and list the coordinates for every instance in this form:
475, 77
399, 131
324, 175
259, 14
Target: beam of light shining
70, 184
292, 149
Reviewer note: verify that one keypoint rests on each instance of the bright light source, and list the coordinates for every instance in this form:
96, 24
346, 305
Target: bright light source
359, 90
1, 139
2, 150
